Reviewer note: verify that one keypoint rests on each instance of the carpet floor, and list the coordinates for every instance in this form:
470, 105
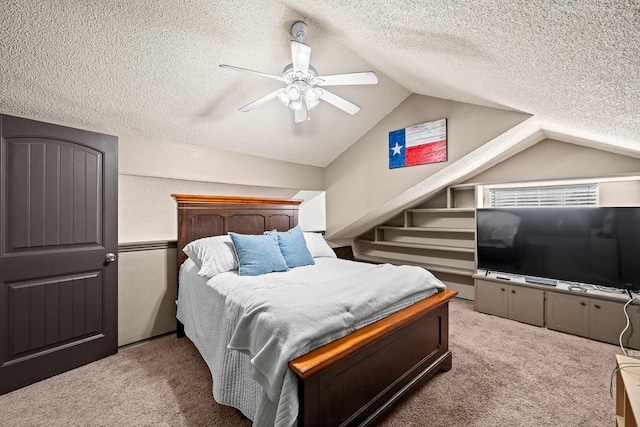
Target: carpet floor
504, 373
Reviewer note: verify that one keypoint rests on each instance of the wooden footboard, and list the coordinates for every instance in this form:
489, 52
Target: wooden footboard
354, 380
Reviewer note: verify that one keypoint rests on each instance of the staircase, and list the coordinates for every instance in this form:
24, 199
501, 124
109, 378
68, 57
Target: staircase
438, 235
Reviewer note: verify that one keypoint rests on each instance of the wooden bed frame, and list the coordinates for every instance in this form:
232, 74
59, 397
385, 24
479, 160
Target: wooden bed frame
353, 380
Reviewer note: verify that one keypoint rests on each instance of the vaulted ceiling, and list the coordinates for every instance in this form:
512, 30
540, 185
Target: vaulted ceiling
150, 67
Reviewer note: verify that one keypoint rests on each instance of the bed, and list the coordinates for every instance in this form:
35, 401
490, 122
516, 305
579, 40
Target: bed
351, 380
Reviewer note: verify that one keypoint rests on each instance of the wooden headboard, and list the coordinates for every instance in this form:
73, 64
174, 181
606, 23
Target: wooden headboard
203, 216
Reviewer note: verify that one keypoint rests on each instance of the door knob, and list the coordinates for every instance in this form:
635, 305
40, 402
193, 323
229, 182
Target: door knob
110, 257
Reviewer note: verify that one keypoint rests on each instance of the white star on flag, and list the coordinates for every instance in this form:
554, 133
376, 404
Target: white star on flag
396, 149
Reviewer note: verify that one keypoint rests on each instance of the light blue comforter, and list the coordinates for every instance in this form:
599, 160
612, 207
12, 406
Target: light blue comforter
277, 320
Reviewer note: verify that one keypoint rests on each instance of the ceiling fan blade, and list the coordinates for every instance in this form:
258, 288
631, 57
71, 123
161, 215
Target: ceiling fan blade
364, 78
339, 102
260, 101
231, 67
301, 55
302, 114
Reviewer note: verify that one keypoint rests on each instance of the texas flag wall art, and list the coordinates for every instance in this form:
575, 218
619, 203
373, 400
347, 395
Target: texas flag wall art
418, 145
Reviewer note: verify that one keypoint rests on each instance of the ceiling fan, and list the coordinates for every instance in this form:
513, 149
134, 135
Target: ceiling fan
305, 88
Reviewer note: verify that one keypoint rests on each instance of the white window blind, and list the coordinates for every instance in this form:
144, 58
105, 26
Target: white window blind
557, 195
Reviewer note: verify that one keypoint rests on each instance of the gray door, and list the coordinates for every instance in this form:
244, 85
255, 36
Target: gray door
58, 222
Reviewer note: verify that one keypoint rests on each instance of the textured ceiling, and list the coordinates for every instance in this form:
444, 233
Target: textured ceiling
150, 67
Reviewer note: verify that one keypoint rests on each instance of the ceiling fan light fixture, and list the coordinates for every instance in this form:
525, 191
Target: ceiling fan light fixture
296, 105
282, 96
293, 92
312, 96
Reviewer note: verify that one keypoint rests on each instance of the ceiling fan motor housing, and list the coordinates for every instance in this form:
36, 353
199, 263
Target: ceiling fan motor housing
291, 76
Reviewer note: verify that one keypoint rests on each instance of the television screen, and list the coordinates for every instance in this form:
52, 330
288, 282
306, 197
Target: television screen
586, 245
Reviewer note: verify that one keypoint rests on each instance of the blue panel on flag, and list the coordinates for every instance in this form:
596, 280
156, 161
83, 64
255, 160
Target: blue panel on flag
397, 149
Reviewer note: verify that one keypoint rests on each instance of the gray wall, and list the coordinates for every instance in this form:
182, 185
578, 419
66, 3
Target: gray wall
555, 160
360, 179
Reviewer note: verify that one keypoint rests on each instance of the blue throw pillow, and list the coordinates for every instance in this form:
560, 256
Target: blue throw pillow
293, 247
257, 254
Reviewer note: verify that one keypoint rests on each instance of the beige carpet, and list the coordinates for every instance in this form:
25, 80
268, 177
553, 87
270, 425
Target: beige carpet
504, 373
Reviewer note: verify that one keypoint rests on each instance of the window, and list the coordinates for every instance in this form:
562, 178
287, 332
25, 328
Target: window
557, 195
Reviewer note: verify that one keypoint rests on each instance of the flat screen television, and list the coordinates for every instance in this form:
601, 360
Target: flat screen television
598, 246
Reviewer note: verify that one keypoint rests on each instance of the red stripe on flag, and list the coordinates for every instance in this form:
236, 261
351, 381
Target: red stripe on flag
433, 152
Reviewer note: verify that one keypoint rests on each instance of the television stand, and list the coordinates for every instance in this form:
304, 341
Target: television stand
597, 315
540, 281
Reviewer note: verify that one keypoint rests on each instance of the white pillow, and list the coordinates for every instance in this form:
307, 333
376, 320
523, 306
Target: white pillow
318, 246
213, 255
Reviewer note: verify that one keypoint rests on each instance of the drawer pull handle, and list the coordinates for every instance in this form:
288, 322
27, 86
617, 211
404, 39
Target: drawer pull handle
512, 291
582, 303
597, 306
502, 289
